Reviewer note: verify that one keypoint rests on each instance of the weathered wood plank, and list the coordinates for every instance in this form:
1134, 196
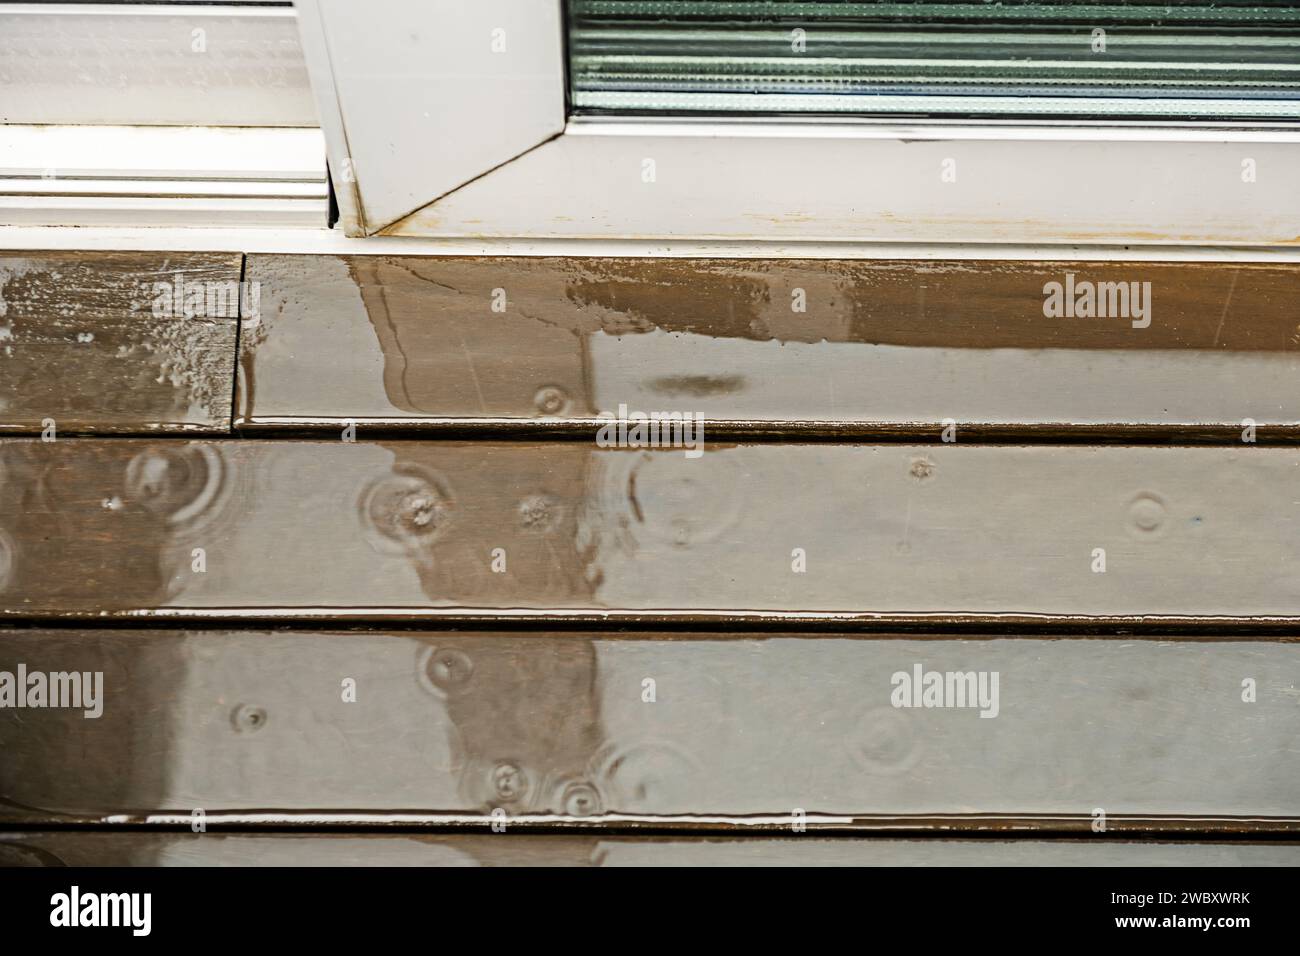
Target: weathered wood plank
117, 342
419, 528
420, 342
81, 848
743, 731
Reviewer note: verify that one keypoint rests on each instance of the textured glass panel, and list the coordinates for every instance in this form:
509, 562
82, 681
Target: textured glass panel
1185, 59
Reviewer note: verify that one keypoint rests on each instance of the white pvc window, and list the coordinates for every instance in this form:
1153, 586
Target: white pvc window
153, 64
486, 120
451, 120
157, 114
1189, 59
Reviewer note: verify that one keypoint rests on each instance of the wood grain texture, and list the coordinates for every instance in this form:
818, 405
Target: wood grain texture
54, 848
92, 342
416, 341
744, 732
412, 529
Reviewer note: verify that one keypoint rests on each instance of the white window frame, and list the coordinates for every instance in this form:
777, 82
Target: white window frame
232, 64
165, 114
448, 171
87, 176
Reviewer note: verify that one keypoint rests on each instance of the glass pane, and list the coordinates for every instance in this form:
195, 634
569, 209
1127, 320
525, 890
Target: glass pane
1182, 59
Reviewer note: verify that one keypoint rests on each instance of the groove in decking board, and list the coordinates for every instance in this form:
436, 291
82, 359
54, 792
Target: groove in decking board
715, 731
118, 342
312, 528
423, 341
55, 848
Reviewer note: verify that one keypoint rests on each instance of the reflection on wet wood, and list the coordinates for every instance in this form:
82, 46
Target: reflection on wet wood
101, 342
445, 340
892, 532
686, 732
710, 730
55, 848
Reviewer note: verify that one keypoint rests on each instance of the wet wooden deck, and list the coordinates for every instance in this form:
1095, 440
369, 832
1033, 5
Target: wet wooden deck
352, 564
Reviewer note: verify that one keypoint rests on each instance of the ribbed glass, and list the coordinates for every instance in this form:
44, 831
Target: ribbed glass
1184, 59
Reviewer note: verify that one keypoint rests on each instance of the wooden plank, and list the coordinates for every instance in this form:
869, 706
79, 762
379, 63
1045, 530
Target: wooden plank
101, 342
744, 732
416, 341
1187, 536
81, 848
